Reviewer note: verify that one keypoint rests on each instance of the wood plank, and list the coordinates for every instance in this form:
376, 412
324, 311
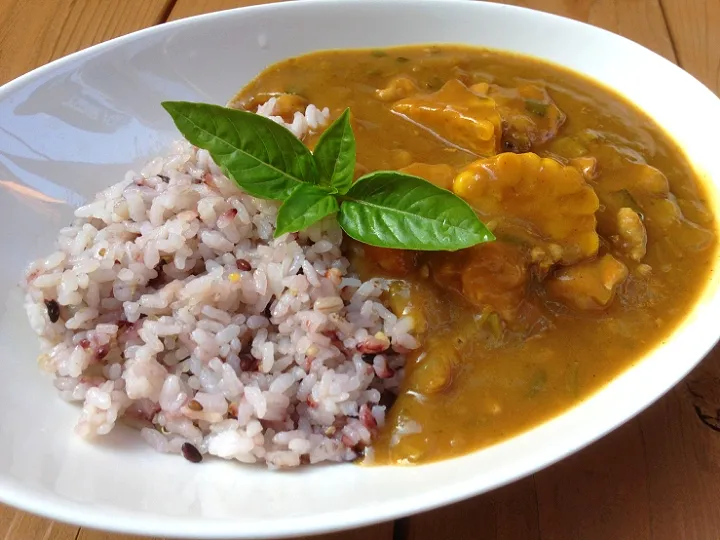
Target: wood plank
16, 525
89, 534
694, 28
640, 20
380, 532
683, 456
34, 32
509, 513
598, 494
188, 8
383, 531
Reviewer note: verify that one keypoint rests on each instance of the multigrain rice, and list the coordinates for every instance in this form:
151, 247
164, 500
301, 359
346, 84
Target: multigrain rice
169, 303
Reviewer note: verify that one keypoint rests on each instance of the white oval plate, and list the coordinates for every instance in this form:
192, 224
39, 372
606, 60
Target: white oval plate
75, 126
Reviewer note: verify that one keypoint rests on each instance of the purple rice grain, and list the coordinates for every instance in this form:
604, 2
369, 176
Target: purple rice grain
102, 351
191, 453
53, 309
243, 265
268, 308
248, 362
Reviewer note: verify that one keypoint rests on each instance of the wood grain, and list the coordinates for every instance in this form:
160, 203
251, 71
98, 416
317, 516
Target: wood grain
34, 32
379, 532
695, 30
653, 479
682, 457
89, 534
16, 525
509, 513
639, 20
188, 8
598, 494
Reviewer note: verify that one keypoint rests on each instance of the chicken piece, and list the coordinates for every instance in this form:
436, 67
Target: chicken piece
529, 115
645, 190
553, 201
398, 88
590, 285
587, 165
481, 88
435, 368
396, 262
633, 238
456, 115
639, 179
441, 175
495, 275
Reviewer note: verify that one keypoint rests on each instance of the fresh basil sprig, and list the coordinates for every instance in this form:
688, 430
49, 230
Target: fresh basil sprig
383, 208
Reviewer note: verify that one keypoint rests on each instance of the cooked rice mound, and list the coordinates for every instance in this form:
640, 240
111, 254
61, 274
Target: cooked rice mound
169, 303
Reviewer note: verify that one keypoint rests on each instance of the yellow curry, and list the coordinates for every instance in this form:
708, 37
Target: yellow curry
604, 236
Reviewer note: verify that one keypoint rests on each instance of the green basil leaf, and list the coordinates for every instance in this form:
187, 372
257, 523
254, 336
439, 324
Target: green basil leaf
262, 157
395, 210
335, 154
306, 205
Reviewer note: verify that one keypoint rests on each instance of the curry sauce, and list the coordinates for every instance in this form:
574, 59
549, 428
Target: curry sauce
604, 235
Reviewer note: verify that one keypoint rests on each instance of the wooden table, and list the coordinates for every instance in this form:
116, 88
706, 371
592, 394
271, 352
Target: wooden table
657, 477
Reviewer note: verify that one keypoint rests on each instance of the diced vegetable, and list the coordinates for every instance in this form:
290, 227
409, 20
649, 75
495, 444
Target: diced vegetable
590, 285
495, 275
456, 115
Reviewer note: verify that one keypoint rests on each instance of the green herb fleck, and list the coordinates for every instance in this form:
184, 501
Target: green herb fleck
402, 59
537, 383
379, 54
573, 379
538, 108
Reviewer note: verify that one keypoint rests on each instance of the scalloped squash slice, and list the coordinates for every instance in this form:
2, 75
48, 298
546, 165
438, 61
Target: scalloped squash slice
553, 200
456, 115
